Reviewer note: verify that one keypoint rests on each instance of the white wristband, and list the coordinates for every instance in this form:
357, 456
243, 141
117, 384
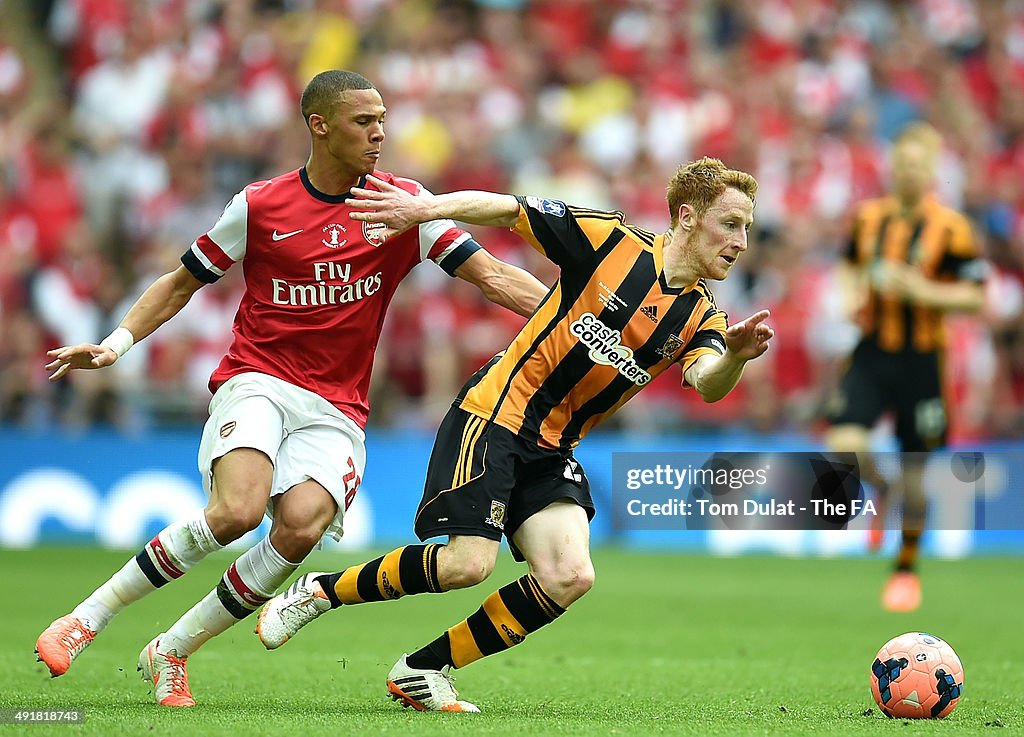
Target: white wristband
119, 341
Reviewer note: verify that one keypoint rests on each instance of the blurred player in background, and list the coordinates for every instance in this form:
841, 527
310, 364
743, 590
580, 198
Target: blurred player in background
628, 304
910, 260
289, 405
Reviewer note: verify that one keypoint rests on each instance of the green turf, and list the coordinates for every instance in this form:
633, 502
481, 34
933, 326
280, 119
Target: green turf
664, 644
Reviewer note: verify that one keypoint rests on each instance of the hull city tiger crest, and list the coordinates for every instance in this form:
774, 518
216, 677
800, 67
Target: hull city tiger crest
670, 347
497, 518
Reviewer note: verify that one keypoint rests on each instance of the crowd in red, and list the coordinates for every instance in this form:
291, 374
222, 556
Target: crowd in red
159, 111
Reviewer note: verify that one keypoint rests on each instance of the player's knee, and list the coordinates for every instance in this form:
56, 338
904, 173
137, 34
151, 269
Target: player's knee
229, 521
848, 438
468, 573
566, 582
585, 579
462, 569
580, 580
295, 543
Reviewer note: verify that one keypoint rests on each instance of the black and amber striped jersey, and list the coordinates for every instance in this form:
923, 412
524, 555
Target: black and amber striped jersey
937, 240
608, 326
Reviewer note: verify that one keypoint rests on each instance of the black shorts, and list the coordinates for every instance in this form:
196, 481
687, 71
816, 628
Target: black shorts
484, 480
908, 384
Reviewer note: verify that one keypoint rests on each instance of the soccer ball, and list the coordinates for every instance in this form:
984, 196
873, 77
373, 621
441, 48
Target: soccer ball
917, 676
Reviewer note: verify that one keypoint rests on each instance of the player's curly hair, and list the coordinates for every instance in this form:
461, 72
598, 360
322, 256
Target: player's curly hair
324, 90
699, 183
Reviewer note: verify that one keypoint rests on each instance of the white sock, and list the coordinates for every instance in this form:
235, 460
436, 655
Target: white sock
173, 551
247, 584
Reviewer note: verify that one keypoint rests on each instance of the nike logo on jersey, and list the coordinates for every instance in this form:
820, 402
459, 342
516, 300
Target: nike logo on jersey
275, 236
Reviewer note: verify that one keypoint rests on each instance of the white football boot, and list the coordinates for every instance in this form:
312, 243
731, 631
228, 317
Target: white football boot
291, 610
425, 690
166, 671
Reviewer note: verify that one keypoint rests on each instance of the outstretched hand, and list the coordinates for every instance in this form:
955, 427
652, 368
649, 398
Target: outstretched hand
81, 356
749, 338
393, 206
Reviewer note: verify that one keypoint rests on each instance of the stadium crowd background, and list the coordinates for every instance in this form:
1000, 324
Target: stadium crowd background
127, 125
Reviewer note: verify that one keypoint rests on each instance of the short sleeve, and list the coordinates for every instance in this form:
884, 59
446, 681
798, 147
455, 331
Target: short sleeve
446, 244
217, 250
962, 260
566, 235
708, 340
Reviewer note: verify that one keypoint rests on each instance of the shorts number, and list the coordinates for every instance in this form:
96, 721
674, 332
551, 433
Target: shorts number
930, 418
351, 481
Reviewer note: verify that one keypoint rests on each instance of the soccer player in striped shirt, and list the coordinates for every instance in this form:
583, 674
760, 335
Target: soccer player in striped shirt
290, 397
911, 260
628, 305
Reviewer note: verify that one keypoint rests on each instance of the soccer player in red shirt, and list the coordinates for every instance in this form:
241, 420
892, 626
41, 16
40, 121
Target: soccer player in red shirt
290, 397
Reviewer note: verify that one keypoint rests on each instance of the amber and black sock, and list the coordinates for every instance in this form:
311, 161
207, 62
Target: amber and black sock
505, 619
402, 572
907, 558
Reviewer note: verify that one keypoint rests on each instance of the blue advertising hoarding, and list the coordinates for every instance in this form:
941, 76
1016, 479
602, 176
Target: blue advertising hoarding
117, 491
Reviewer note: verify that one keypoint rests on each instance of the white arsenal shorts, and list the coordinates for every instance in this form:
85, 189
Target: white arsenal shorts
304, 435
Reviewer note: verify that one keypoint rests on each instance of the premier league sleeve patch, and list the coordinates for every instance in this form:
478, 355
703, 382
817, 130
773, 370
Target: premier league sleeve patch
548, 207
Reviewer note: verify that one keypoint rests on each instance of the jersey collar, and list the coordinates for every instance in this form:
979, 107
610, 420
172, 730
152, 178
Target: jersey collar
334, 199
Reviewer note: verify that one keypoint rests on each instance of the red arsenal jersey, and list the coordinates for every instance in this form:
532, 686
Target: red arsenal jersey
317, 283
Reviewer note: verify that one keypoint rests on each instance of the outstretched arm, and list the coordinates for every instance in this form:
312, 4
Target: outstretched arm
159, 303
907, 282
715, 376
504, 284
399, 210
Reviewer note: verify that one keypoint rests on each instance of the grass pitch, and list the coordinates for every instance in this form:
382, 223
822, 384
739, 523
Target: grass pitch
664, 644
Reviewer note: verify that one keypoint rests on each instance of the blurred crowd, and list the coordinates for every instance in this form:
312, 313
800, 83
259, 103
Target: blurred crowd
127, 125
